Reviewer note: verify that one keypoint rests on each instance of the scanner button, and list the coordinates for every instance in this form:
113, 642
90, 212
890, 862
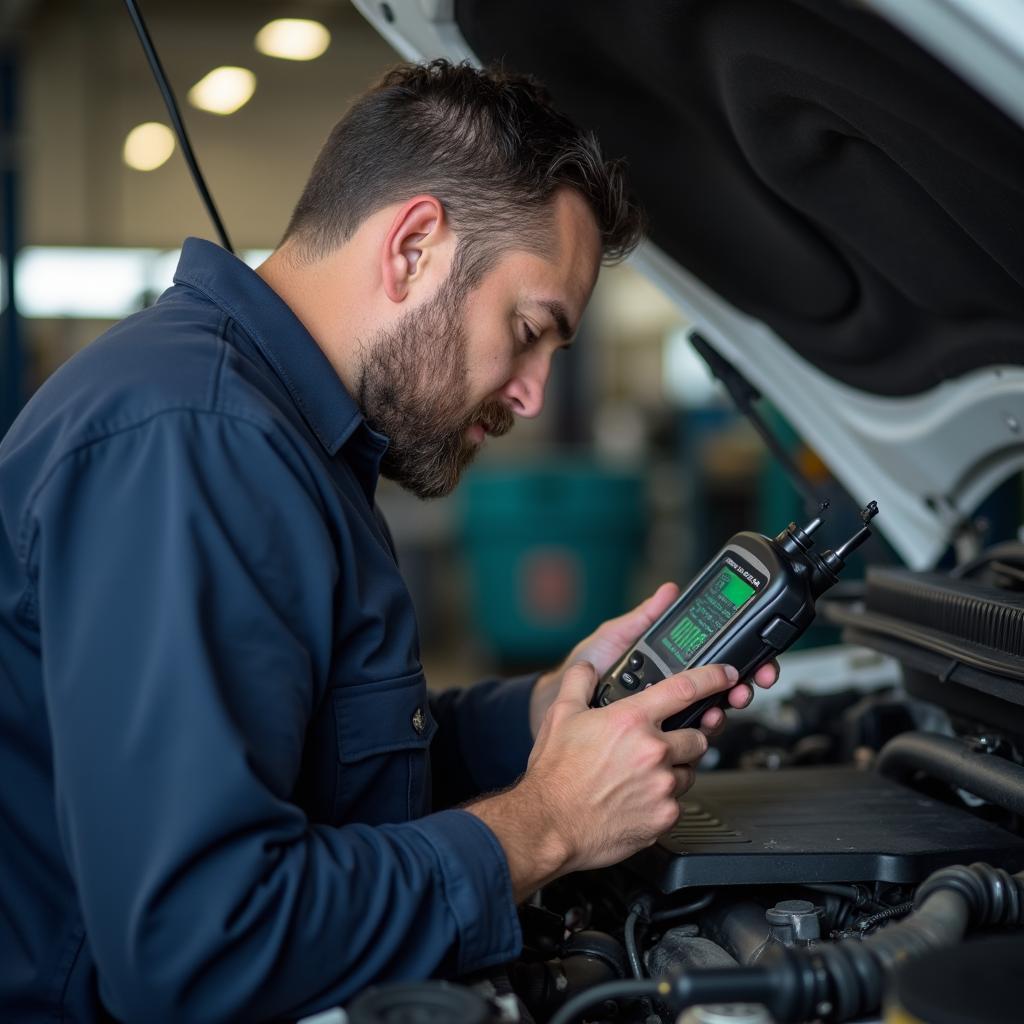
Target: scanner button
779, 633
629, 681
636, 661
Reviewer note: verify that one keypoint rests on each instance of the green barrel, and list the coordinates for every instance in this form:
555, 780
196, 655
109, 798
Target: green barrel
552, 549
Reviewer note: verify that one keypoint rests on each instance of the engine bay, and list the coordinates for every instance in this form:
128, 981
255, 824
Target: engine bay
829, 854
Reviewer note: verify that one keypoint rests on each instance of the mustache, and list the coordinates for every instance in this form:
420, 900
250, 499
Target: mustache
495, 417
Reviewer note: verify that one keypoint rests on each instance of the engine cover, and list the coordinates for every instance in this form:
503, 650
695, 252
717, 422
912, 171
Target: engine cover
816, 825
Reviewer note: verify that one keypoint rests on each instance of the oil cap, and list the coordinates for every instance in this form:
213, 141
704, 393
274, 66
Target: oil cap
794, 921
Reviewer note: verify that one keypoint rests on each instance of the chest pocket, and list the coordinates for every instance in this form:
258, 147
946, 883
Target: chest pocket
384, 731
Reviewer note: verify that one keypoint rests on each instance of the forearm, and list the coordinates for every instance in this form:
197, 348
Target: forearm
602, 783
535, 846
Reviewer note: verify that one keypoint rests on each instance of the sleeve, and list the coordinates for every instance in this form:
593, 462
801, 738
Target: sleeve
185, 578
483, 738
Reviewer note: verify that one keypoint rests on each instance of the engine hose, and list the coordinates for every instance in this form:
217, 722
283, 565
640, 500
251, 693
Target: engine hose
588, 959
841, 980
636, 964
640, 913
995, 779
846, 979
996, 897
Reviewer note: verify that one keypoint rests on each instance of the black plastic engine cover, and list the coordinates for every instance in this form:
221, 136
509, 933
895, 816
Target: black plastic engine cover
816, 825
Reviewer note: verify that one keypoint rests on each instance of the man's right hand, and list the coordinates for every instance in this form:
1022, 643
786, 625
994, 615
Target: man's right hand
601, 783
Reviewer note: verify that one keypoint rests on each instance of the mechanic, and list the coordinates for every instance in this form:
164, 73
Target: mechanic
217, 753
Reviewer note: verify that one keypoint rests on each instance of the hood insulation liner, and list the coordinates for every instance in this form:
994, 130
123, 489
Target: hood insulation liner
807, 162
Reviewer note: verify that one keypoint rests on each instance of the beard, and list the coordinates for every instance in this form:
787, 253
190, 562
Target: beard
414, 388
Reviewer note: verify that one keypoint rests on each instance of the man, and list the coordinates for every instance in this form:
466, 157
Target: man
215, 739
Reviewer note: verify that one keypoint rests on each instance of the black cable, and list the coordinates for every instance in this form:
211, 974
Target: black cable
640, 913
636, 965
849, 892
630, 989
901, 910
684, 911
176, 121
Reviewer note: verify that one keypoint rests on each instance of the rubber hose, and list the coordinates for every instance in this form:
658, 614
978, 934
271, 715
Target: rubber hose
842, 980
846, 979
992, 778
995, 897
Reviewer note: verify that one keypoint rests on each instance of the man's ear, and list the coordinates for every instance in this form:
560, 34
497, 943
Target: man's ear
416, 238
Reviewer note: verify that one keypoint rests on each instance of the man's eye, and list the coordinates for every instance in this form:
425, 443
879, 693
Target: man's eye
529, 335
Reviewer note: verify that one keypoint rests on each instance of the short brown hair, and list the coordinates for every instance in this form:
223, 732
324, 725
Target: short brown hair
489, 145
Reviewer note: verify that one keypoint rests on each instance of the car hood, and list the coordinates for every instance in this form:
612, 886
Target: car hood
835, 194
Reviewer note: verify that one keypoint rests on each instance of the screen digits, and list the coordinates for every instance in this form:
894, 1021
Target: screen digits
706, 613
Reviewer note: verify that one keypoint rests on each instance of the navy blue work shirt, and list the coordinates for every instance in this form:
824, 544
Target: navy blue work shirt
215, 736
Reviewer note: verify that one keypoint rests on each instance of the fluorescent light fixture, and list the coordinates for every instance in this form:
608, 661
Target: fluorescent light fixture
101, 284
148, 146
223, 90
293, 39
95, 283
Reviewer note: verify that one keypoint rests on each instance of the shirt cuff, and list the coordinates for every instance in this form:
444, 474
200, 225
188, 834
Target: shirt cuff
478, 888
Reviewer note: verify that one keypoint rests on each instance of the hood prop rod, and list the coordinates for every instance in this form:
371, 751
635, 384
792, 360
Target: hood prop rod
744, 395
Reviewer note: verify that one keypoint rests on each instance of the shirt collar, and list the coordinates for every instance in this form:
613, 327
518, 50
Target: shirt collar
298, 360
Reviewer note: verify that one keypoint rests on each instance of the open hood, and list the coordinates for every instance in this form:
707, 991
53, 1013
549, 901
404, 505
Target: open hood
836, 200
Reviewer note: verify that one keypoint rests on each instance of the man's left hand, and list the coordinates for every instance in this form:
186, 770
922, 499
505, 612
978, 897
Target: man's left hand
613, 638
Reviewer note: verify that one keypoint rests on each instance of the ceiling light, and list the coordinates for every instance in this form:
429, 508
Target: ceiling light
148, 145
293, 39
223, 90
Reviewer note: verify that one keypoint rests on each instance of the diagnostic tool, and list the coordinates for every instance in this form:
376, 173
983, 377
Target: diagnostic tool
751, 601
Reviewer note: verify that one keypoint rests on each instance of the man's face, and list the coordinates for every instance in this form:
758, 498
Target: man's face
462, 366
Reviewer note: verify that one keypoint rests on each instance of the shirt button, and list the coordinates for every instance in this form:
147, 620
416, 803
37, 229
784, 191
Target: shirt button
419, 721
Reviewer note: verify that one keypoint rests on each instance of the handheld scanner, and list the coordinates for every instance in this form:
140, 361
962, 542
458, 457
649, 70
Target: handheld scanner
750, 602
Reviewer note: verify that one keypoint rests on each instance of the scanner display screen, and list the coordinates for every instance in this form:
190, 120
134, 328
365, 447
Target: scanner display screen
713, 606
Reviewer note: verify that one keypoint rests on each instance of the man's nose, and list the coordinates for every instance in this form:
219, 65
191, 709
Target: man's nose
525, 390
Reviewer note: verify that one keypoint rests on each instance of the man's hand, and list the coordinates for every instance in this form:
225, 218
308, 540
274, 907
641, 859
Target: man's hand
611, 640
601, 783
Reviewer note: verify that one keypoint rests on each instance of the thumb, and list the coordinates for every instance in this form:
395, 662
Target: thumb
578, 683
637, 621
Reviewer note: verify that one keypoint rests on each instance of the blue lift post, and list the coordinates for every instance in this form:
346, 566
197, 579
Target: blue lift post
12, 361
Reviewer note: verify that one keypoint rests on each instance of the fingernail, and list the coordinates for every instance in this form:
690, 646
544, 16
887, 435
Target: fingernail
731, 673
